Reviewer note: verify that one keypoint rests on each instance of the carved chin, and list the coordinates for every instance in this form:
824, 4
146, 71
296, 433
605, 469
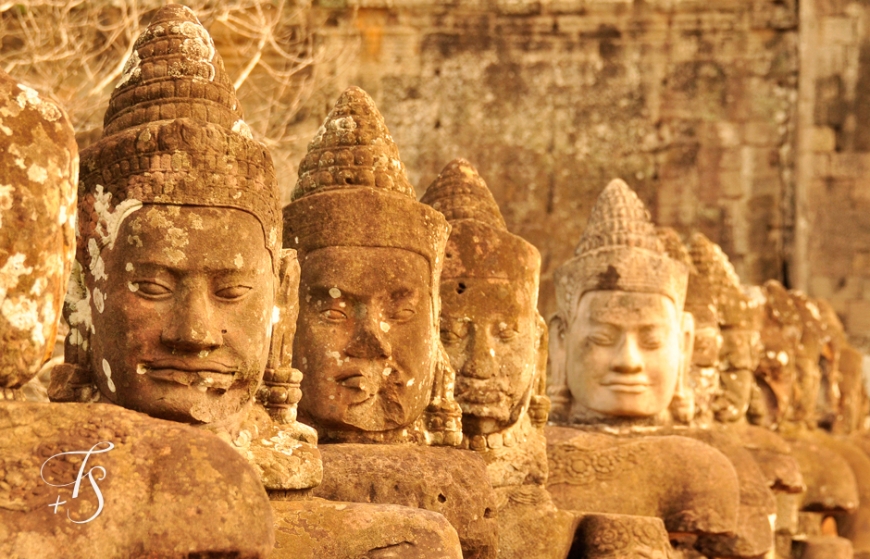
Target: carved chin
376, 413
499, 410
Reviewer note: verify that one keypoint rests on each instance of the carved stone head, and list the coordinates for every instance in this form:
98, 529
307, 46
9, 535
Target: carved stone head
38, 166
807, 359
173, 299
776, 372
617, 341
490, 326
371, 257
718, 301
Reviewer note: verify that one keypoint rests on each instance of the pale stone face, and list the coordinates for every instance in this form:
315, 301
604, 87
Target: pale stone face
488, 328
623, 353
183, 324
365, 338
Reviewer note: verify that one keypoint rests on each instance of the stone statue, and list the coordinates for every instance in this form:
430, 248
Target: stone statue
618, 346
184, 303
727, 321
792, 388
368, 339
171, 309
120, 458
497, 343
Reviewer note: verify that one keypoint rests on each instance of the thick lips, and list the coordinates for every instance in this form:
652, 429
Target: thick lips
637, 385
199, 373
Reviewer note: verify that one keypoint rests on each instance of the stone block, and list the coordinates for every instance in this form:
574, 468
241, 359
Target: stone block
451, 482
732, 185
858, 317
837, 29
822, 138
821, 165
729, 133
761, 133
850, 164
822, 287
163, 489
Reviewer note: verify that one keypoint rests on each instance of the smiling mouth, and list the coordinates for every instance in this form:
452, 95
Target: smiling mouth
201, 375
627, 387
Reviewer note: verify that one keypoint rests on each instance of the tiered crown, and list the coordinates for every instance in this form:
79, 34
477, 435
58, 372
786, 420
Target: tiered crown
480, 245
174, 134
353, 191
620, 250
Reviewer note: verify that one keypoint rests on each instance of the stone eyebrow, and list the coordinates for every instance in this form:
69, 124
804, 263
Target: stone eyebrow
404, 293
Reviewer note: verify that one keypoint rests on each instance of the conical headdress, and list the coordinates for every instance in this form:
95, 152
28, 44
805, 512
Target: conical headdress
352, 189
620, 250
734, 307
480, 245
700, 294
174, 134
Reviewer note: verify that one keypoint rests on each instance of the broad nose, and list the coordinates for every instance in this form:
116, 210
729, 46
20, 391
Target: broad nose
628, 359
481, 362
369, 340
192, 327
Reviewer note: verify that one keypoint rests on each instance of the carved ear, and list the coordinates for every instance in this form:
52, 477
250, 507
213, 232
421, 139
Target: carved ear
542, 341
443, 416
687, 345
72, 381
281, 392
539, 403
682, 406
557, 381
287, 303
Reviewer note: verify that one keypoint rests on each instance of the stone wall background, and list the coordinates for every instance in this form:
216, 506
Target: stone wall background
748, 120
833, 233
693, 103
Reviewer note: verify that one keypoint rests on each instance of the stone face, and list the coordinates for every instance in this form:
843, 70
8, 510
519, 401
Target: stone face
497, 343
104, 469
368, 342
445, 481
210, 500
617, 340
179, 281
634, 475
491, 330
37, 216
316, 528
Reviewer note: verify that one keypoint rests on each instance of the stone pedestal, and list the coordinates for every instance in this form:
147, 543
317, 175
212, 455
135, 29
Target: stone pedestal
166, 489
689, 485
447, 481
316, 529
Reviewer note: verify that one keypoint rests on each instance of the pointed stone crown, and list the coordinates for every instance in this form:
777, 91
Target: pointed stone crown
779, 305
174, 134
480, 246
620, 251
735, 309
352, 189
352, 149
459, 192
701, 294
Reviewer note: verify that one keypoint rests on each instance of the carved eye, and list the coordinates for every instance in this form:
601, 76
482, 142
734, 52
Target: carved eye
234, 292
651, 340
403, 315
333, 315
602, 339
151, 289
449, 337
